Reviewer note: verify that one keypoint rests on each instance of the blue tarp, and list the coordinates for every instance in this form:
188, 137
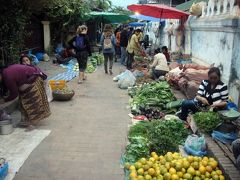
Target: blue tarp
137, 24
146, 18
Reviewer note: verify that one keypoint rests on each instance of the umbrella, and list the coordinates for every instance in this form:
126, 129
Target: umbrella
136, 24
158, 11
144, 18
109, 17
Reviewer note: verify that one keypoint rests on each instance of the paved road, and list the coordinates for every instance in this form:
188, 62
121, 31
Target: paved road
88, 134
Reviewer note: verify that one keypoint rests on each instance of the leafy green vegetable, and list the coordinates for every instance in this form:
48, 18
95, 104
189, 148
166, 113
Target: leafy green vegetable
137, 148
207, 121
160, 136
155, 94
139, 129
166, 135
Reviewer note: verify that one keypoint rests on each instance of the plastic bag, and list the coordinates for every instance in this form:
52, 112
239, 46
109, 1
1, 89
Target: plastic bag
48, 90
226, 138
196, 9
195, 145
126, 79
138, 73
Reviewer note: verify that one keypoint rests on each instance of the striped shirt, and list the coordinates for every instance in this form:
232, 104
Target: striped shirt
214, 96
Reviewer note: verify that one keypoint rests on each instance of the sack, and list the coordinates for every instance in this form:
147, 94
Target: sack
126, 79
107, 43
80, 44
195, 145
196, 9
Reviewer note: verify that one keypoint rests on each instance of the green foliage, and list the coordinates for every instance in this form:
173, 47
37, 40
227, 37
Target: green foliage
13, 20
207, 121
15, 16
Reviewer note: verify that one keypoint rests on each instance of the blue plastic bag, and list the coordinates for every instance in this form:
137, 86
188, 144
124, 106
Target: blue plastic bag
195, 145
231, 105
226, 138
33, 58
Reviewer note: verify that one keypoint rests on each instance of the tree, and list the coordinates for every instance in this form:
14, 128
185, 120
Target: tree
15, 15
121, 10
100, 5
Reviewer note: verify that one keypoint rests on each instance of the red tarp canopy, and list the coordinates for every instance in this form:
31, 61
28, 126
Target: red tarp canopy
158, 11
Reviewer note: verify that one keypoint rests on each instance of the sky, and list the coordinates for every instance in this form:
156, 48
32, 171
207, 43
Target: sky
124, 3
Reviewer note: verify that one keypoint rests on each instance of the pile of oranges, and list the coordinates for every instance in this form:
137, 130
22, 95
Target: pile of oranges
173, 166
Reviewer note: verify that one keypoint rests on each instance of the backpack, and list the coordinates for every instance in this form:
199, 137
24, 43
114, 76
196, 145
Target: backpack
107, 43
80, 44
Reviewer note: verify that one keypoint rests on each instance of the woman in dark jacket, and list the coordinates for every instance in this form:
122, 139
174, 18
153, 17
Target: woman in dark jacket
80, 43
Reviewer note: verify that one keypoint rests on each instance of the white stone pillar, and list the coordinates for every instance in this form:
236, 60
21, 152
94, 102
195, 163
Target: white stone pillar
46, 33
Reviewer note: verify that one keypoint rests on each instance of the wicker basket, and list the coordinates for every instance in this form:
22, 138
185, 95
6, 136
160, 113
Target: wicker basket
63, 97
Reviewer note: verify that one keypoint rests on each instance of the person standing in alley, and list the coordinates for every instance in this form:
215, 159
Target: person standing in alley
133, 48
80, 43
108, 42
123, 44
117, 47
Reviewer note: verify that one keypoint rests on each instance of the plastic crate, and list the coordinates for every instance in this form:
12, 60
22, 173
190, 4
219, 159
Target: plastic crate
57, 84
3, 171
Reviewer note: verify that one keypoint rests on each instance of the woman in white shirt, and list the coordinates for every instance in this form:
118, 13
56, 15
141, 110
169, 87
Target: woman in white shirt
159, 65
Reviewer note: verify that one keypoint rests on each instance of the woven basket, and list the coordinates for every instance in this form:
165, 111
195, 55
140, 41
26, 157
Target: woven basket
62, 97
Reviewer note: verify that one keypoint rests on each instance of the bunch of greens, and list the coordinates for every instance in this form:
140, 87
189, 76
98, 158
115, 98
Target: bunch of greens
207, 121
153, 94
138, 147
167, 135
139, 129
160, 136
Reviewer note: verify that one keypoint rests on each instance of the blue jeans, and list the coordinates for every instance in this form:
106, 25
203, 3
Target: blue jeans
187, 106
123, 55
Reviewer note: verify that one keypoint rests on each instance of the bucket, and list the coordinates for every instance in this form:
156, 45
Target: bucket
6, 127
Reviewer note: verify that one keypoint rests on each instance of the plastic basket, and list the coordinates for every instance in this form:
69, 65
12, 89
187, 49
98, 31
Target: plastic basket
57, 84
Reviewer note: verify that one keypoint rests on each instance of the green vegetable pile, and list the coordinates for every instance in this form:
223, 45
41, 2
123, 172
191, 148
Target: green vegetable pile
96, 59
155, 94
207, 121
90, 68
160, 136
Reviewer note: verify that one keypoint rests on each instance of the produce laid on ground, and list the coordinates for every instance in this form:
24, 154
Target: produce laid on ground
160, 136
144, 79
95, 60
207, 121
151, 98
172, 166
64, 94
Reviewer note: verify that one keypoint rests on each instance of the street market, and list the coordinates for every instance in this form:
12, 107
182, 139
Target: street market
143, 91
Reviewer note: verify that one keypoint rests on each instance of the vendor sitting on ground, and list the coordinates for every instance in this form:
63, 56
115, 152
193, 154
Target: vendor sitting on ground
27, 82
25, 60
212, 93
236, 151
159, 65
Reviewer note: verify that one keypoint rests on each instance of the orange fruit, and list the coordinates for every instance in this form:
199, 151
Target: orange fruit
221, 177
180, 174
191, 171
209, 169
140, 171
190, 159
151, 171
174, 177
167, 176
202, 169
187, 176
186, 164
213, 164
172, 171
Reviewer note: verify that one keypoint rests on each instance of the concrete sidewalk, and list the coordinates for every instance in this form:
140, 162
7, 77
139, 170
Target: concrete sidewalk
88, 134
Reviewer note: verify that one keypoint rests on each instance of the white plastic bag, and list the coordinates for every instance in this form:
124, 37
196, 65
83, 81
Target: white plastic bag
126, 79
48, 91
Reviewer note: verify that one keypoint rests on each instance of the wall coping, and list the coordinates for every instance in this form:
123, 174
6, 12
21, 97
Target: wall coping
220, 24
